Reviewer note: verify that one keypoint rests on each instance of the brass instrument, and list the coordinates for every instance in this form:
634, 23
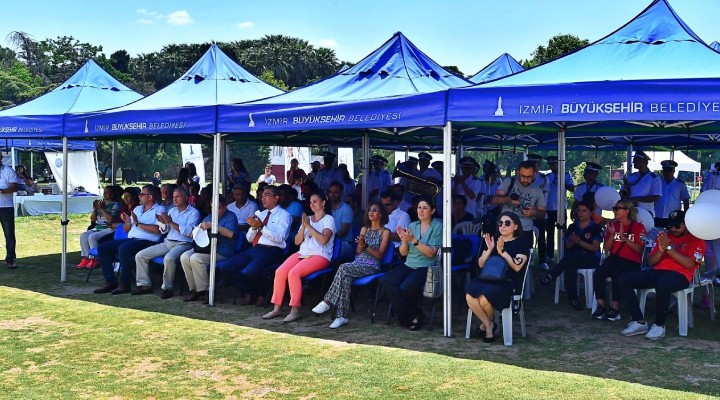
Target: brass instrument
415, 184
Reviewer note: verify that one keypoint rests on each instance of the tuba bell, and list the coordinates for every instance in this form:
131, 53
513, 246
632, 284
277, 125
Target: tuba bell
415, 184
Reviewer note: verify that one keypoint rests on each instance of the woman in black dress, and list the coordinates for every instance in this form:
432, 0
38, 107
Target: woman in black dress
484, 297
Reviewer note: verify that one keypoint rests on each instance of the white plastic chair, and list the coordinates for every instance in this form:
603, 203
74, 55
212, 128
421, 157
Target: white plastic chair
587, 276
685, 299
507, 315
467, 228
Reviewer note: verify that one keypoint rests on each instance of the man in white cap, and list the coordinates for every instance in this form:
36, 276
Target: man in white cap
712, 255
591, 185
490, 181
411, 167
328, 174
432, 175
674, 195
314, 169
712, 179
644, 186
378, 179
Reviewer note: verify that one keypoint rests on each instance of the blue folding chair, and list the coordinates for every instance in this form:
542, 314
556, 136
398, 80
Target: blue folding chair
385, 264
334, 262
117, 235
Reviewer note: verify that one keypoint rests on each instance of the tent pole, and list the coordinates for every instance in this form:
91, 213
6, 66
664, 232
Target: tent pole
64, 221
562, 210
365, 168
629, 158
447, 237
112, 162
32, 176
217, 151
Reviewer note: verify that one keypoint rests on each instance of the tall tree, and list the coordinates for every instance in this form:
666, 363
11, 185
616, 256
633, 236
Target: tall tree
29, 53
120, 60
557, 46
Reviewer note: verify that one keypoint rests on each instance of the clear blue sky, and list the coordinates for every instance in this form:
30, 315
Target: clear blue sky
466, 33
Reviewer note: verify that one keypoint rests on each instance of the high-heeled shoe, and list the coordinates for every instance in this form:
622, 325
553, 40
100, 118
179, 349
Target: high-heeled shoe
490, 339
417, 323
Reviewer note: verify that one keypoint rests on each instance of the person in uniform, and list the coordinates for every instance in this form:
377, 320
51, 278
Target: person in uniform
490, 181
591, 185
712, 179
712, 254
540, 182
644, 186
314, 169
432, 175
329, 174
466, 184
552, 205
674, 194
378, 179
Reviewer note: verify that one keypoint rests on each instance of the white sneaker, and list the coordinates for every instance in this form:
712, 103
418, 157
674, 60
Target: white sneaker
340, 321
321, 308
635, 328
656, 332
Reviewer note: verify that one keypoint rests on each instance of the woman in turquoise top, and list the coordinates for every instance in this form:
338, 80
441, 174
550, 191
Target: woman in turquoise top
420, 242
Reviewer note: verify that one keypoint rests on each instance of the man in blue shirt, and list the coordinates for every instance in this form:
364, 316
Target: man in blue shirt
178, 223
343, 215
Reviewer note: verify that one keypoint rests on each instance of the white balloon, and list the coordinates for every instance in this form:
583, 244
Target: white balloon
606, 197
709, 196
644, 217
699, 220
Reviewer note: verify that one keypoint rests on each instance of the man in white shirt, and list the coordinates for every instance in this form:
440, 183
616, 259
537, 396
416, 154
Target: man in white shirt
267, 236
591, 185
711, 181
8, 186
396, 216
328, 174
143, 232
343, 215
243, 208
674, 197
378, 179
466, 184
644, 186
178, 222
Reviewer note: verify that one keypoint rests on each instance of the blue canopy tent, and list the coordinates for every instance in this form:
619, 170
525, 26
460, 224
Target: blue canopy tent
502, 66
89, 89
715, 46
354, 98
187, 106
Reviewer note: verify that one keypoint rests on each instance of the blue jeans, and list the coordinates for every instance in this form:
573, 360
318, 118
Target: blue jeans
403, 286
247, 269
126, 249
7, 220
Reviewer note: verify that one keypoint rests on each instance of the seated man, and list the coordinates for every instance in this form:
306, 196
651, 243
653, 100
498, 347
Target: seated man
343, 215
267, 236
178, 222
143, 232
196, 264
243, 207
674, 259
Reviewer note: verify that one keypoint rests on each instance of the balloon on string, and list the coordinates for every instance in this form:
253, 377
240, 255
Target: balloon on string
606, 197
698, 220
644, 217
709, 196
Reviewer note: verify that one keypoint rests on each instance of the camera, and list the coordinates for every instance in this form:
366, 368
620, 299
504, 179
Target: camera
514, 196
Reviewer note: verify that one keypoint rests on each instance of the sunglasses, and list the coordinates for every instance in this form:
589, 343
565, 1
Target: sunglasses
506, 222
619, 208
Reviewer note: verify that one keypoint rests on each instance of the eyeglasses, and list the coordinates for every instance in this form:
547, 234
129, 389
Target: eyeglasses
505, 222
374, 210
619, 208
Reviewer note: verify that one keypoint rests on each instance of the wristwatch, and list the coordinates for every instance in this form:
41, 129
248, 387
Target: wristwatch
416, 243
668, 248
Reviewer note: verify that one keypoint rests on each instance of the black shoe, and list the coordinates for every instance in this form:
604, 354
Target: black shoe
599, 312
612, 315
141, 290
106, 289
121, 289
546, 280
576, 305
167, 293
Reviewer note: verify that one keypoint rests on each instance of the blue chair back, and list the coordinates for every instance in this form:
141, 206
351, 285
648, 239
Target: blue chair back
120, 233
337, 248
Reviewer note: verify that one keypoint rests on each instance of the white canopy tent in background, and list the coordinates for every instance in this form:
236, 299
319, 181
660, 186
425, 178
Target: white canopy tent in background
193, 153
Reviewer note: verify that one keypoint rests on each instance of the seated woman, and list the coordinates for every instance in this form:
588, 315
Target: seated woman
105, 212
130, 199
459, 214
485, 297
371, 245
624, 243
420, 242
582, 251
315, 238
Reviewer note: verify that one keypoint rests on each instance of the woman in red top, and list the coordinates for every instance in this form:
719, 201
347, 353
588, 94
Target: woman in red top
625, 246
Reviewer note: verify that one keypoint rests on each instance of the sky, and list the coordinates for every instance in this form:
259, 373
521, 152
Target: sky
466, 33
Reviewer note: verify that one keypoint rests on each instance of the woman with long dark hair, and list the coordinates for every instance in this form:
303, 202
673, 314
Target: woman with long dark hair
484, 297
372, 242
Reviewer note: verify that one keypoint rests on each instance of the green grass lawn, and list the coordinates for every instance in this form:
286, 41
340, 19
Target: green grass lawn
58, 340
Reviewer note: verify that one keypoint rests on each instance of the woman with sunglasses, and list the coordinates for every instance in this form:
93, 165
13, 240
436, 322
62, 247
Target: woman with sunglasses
582, 250
372, 242
484, 297
315, 238
419, 242
624, 243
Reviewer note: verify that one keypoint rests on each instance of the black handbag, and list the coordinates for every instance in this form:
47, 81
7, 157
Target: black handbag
495, 270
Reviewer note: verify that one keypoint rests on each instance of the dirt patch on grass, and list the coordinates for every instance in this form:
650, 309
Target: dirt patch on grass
20, 324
